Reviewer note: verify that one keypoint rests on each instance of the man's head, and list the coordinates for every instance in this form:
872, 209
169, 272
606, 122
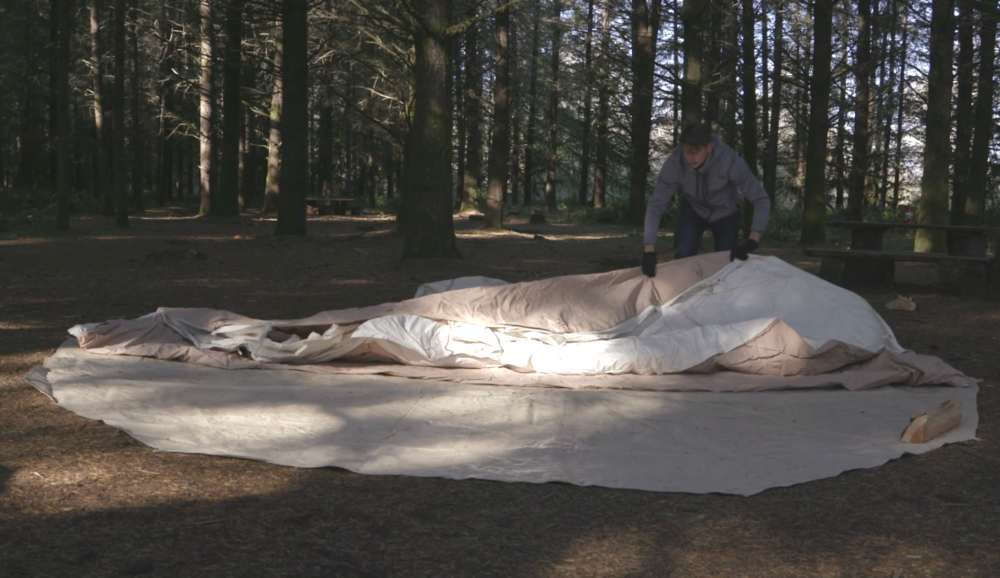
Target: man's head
696, 138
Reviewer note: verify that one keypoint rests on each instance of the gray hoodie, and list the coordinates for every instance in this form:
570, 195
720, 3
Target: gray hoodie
713, 189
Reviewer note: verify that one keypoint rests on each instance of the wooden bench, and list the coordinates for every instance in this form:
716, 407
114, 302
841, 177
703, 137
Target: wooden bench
334, 206
965, 270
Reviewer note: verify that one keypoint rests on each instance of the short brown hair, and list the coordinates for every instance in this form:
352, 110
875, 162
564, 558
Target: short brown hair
696, 134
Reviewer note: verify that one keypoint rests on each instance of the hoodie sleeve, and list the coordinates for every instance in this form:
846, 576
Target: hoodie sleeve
752, 189
666, 186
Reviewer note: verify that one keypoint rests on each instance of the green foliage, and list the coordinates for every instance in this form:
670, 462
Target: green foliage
387, 205
784, 223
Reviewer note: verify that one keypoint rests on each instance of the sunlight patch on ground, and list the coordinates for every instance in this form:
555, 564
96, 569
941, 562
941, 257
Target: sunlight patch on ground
621, 552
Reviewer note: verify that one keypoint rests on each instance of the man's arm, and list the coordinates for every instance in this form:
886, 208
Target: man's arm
666, 187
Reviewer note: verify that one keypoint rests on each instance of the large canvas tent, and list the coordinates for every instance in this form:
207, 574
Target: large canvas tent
701, 325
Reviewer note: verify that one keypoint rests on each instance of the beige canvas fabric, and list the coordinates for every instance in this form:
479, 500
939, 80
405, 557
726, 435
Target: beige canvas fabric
620, 329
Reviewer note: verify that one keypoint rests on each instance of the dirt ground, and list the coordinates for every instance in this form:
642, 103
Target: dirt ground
79, 498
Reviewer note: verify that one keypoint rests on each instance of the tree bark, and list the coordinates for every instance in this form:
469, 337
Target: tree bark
64, 31
121, 170
138, 152
499, 163
472, 179
963, 113
933, 207
645, 28
227, 201
272, 186
206, 106
694, 25
249, 152
325, 150
165, 177
749, 78
815, 195
102, 181
603, 96
901, 94
529, 144
460, 112
979, 165
764, 80
771, 160
838, 153
588, 82
888, 106
553, 116
425, 188
53, 143
515, 121
862, 138
294, 119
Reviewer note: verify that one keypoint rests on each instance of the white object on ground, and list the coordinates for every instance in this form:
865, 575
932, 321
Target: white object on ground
734, 443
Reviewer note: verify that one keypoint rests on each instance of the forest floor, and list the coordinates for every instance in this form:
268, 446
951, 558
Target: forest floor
79, 498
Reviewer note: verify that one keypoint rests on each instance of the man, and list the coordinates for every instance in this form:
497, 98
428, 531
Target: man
711, 177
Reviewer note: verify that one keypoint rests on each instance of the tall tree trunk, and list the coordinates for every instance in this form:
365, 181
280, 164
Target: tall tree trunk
425, 188
64, 31
714, 43
815, 196
529, 144
888, 108
272, 186
587, 99
165, 178
963, 112
102, 181
473, 117
515, 121
771, 160
901, 94
749, 101
206, 106
764, 80
838, 153
603, 96
138, 144
460, 126
53, 144
553, 116
499, 163
979, 166
31, 140
294, 118
248, 152
694, 25
227, 201
862, 138
645, 28
933, 208
121, 172
802, 118
325, 152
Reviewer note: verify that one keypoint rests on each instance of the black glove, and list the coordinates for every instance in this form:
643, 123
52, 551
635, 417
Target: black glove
743, 251
649, 263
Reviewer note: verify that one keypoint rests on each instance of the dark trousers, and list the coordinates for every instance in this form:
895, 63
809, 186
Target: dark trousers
690, 226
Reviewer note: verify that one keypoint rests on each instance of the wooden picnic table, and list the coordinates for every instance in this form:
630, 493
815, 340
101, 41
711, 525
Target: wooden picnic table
965, 269
963, 241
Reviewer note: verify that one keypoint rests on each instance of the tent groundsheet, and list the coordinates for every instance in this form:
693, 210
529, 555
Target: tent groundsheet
697, 442
601, 361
